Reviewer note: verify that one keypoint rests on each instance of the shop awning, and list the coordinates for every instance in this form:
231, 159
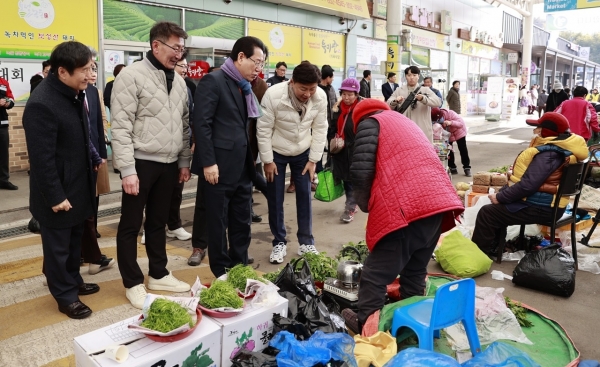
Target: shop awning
351, 9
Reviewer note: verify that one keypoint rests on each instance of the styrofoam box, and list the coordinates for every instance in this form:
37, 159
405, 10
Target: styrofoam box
253, 326
206, 339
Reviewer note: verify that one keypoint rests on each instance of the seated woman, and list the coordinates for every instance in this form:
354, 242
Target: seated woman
530, 194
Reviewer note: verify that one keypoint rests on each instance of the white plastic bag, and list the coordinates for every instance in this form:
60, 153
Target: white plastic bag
471, 212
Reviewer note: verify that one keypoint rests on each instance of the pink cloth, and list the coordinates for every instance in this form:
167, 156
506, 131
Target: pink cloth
581, 115
458, 130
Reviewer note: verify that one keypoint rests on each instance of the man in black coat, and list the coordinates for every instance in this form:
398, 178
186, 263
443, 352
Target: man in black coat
365, 85
388, 88
62, 193
223, 104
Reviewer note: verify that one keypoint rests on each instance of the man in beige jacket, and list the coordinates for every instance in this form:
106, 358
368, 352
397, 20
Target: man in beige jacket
292, 130
420, 110
150, 127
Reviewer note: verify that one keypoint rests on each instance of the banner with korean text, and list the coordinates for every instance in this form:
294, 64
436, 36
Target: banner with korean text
321, 48
283, 42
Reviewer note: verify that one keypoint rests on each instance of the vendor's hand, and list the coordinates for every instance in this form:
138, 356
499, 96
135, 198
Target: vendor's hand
493, 198
211, 174
270, 171
310, 167
131, 185
65, 205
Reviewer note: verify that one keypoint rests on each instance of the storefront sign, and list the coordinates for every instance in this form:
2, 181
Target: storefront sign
197, 69
393, 55
370, 52
493, 103
31, 29
513, 58
562, 5
113, 58
476, 49
380, 8
324, 48
18, 74
428, 39
380, 29
281, 40
420, 56
425, 19
352, 9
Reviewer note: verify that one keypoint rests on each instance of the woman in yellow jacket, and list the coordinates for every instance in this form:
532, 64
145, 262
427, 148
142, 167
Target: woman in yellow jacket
593, 97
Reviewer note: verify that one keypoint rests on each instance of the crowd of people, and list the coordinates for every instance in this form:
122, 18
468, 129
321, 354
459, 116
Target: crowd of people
233, 126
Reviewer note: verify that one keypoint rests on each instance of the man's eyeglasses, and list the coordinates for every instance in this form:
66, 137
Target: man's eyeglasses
258, 64
178, 50
182, 66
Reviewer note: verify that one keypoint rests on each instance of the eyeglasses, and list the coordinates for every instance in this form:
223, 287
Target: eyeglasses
258, 64
178, 50
183, 66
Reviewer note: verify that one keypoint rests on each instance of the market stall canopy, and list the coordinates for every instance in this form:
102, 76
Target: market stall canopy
351, 9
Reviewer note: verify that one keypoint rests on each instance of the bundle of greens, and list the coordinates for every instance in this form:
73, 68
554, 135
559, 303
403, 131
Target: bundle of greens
165, 316
238, 275
362, 248
321, 266
519, 311
272, 276
220, 294
502, 169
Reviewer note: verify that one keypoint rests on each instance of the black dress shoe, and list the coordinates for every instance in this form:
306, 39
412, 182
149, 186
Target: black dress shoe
256, 218
98, 235
88, 288
76, 310
250, 260
8, 186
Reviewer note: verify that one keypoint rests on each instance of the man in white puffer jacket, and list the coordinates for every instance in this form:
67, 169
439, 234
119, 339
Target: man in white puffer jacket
150, 115
292, 130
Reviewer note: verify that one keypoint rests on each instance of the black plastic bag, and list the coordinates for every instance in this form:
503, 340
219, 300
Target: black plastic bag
33, 225
281, 323
298, 282
550, 270
246, 358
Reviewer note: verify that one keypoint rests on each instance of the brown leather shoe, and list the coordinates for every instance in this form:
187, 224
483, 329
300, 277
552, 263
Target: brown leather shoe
250, 260
292, 188
76, 310
88, 288
197, 256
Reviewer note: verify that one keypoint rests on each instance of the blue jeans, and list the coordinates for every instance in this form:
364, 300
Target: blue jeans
276, 193
350, 202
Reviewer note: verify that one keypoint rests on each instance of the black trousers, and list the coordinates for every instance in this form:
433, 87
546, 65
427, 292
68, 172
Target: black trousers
4, 174
464, 154
492, 220
156, 179
228, 215
407, 252
174, 221
199, 233
62, 252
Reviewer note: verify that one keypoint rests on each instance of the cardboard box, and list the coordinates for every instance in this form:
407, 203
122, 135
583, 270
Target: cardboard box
253, 328
579, 226
472, 198
145, 352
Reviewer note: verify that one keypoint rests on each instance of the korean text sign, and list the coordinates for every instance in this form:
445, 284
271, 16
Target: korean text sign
324, 48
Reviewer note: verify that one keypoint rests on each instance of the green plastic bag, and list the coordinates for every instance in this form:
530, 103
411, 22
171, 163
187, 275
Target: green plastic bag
327, 190
461, 257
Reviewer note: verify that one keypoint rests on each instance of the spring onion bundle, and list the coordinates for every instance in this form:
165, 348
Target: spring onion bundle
165, 315
220, 294
238, 274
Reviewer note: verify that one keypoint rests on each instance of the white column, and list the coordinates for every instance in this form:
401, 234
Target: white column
394, 28
527, 45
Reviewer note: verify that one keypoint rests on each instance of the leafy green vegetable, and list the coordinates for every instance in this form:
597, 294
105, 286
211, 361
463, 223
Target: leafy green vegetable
272, 276
362, 248
502, 169
321, 266
165, 315
519, 311
238, 275
220, 294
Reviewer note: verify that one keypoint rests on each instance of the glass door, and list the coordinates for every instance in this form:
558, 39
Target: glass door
473, 86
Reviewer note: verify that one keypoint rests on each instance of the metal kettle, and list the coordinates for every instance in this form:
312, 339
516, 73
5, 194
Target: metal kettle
349, 271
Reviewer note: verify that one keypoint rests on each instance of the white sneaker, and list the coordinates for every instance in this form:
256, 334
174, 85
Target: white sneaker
143, 241
302, 249
278, 253
168, 283
180, 233
136, 295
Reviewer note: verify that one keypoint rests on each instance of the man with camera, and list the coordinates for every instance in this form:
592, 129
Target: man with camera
7, 101
423, 99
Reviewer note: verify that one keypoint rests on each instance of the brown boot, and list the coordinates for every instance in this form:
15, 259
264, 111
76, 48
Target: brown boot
291, 188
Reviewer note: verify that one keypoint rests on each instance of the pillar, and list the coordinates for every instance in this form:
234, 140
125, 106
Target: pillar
527, 45
394, 29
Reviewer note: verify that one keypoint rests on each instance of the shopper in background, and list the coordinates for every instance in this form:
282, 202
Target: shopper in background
388, 88
452, 122
223, 104
428, 82
594, 96
148, 97
365, 84
342, 126
453, 97
7, 101
292, 131
541, 102
37, 78
556, 97
109, 86
580, 113
279, 77
58, 137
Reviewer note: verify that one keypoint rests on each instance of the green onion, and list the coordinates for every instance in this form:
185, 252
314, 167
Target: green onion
165, 316
220, 294
238, 275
